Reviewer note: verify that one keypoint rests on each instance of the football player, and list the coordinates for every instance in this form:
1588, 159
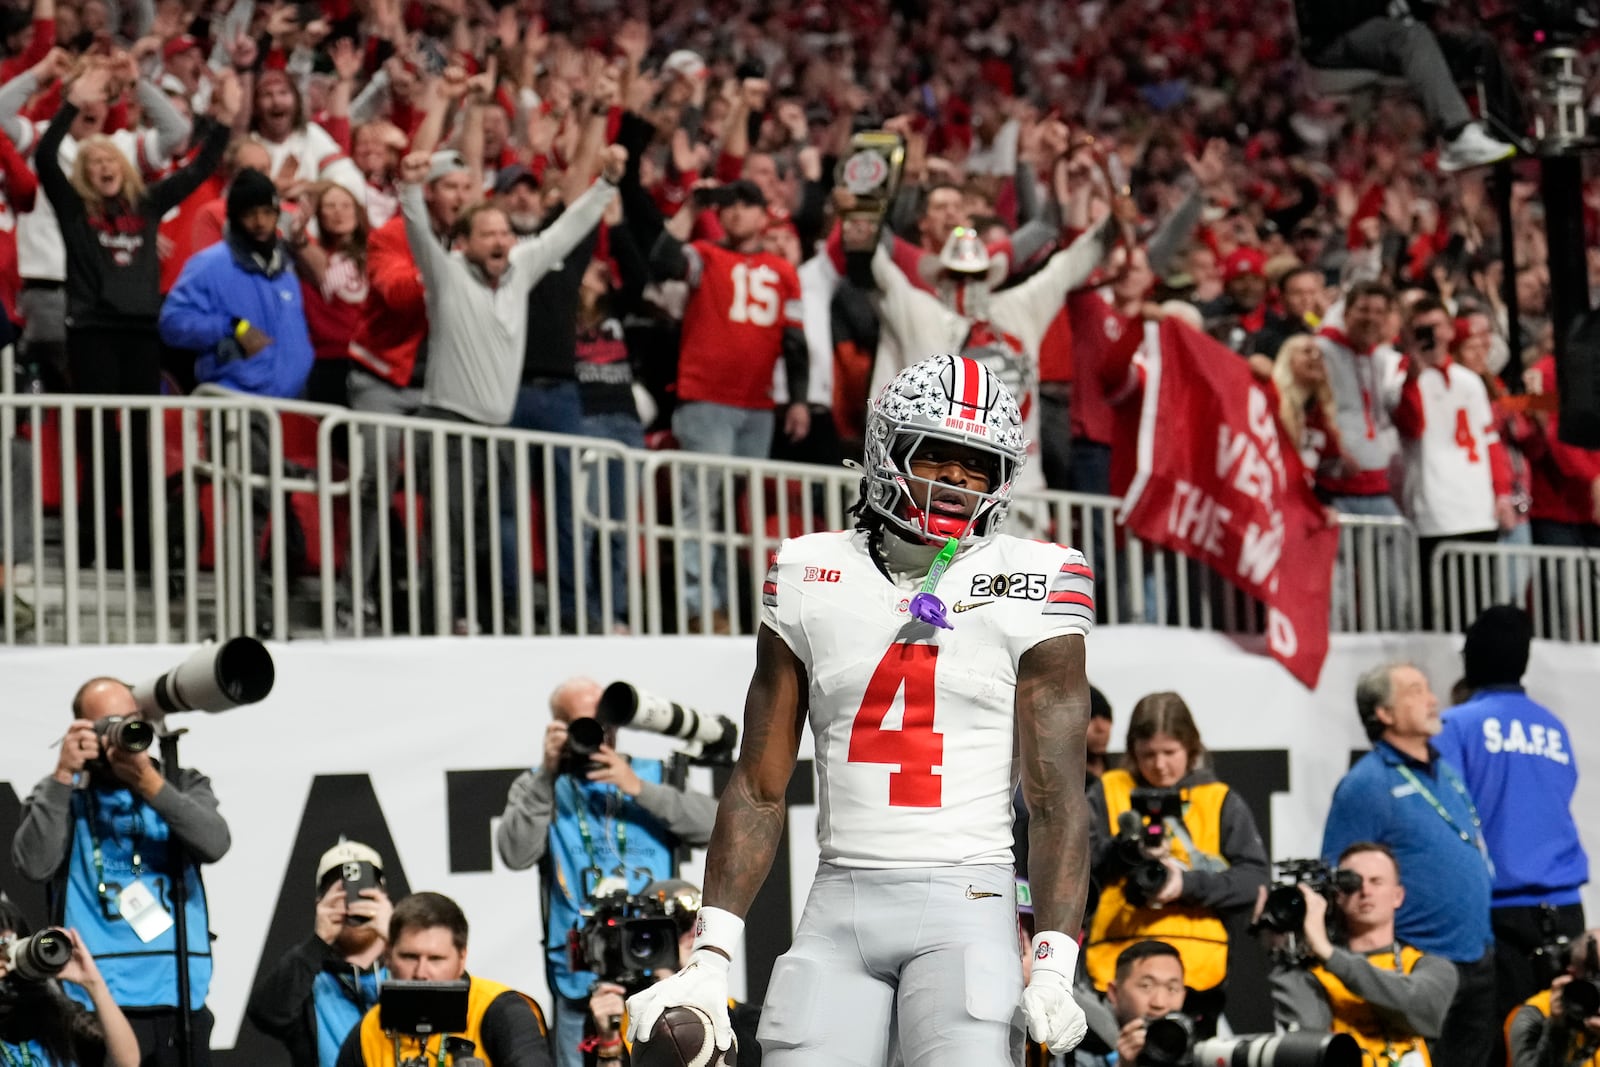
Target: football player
906, 942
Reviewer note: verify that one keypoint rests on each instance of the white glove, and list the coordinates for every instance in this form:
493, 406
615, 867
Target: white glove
703, 984
1054, 1017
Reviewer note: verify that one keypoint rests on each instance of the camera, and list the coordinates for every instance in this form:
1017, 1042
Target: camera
1426, 338
121, 732
1168, 1040
1285, 909
1142, 830
1580, 998
584, 738
1302, 1048
41, 956
216, 678
626, 939
711, 738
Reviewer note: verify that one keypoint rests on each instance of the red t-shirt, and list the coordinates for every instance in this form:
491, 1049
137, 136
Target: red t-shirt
733, 326
333, 311
1103, 341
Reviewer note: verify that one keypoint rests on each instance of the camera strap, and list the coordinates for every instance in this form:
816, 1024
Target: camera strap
19, 1056
1475, 838
97, 853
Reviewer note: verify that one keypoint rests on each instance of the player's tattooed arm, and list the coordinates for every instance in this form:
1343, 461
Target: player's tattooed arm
751, 814
1052, 717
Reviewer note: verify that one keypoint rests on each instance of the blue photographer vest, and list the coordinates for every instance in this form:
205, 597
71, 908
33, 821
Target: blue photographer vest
139, 975
595, 825
340, 1001
27, 1054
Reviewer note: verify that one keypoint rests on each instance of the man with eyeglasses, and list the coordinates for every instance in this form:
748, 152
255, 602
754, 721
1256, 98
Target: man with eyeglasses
102, 832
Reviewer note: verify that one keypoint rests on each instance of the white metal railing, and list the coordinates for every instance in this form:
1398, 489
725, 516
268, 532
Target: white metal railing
1559, 587
243, 485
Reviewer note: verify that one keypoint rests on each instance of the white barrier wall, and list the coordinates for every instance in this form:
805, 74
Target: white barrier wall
415, 714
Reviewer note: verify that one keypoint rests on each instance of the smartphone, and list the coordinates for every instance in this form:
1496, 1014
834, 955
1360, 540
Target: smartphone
357, 875
1425, 338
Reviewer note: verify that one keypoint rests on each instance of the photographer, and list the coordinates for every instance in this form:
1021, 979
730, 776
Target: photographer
1149, 983
38, 1024
1544, 1032
605, 812
98, 831
1212, 854
1389, 996
428, 943
318, 991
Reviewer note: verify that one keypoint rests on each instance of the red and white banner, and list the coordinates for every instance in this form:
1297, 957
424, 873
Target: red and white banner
1218, 481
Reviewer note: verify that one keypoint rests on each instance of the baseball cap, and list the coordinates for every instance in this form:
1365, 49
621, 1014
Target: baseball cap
685, 64
1243, 261
445, 163
178, 45
508, 177
347, 852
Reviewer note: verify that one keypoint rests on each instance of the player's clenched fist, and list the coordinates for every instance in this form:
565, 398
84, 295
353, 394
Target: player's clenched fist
703, 984
1053, 1015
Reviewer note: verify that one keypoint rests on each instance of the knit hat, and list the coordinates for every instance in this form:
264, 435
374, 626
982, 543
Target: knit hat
1496, 650
250, 189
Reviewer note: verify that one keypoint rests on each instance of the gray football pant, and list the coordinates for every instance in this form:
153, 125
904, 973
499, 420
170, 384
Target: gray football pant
918, 966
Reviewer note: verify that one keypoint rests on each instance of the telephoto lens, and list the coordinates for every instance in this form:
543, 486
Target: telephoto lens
584, 738
129, 735
40, 956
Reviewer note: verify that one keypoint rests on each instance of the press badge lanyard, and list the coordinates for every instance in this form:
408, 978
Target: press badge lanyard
99, 854
1475, 839
588, 838
18, 1055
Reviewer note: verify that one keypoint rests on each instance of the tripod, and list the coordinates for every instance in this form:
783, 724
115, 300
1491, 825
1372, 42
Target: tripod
178, 862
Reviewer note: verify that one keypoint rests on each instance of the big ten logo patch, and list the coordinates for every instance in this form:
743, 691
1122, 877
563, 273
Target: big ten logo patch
1018, 586
820, 574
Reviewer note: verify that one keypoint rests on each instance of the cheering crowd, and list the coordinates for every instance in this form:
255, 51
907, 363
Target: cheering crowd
616, 223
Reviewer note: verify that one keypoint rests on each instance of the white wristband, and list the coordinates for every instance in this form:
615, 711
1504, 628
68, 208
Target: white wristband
718, 929
1055, 951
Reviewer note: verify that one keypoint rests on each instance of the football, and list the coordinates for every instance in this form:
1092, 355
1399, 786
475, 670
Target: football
682, 1037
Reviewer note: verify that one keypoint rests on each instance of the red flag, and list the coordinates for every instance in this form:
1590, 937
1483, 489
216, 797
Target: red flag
1219, 481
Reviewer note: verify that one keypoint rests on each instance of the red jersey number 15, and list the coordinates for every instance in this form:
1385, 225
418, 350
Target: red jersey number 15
755, 295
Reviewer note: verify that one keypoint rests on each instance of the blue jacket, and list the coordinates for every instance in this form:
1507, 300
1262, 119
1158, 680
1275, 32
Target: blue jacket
1447, 880
222, 285
1519, 767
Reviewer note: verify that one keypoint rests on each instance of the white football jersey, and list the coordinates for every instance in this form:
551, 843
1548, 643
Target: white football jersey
913, 724
1449, 482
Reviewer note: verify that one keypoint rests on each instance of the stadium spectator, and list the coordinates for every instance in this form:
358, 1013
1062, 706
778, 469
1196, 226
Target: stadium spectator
1303, 298
428, 943
237, 304
99, 831
570, 816
1457, 484
1565, 479
300, 150
1516, 757
1404, 796
330, 257
1306, 407
1386, 994
1212, 855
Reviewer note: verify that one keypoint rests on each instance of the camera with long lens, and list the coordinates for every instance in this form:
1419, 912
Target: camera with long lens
1580, 998
1301, 1048
584, 738
126, 734
626, 939
1141, 831
40, 956
216, 678
1285, 909
710, 738
1168, 1041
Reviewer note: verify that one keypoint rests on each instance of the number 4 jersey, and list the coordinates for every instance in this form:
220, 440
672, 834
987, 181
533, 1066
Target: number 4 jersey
733, 326
914, 725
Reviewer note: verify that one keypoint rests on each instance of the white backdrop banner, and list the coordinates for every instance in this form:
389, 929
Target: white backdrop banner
413, 742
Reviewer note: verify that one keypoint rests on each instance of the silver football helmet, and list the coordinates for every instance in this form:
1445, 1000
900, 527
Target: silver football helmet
946, 398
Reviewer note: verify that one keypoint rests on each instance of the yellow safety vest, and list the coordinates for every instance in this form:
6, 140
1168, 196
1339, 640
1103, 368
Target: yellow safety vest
1540, 1002
1196, 932
377, 1047
1354, 1016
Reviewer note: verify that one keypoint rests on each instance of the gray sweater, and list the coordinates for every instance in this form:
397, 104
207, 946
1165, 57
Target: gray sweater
44, 836
1413, 1003
477, 331
525, 826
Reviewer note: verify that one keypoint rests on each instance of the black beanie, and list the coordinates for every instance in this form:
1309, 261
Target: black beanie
250, 189
1496, 651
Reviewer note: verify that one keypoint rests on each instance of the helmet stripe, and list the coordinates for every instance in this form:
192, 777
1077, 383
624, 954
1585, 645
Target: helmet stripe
969, 386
